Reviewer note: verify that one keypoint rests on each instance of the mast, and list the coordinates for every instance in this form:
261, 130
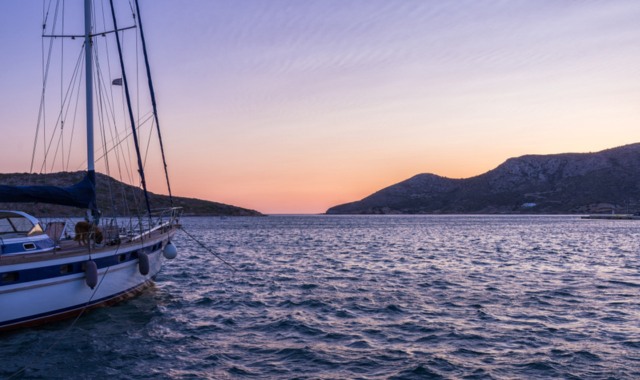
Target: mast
153, 101
130, 109
91, 174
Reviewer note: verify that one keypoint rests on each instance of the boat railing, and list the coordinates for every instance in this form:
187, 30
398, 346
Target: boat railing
158, 219
118, 229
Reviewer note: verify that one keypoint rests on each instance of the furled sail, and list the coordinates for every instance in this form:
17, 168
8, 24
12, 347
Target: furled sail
81, 195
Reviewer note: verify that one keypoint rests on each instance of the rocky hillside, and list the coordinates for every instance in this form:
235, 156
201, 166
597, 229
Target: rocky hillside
605, 181
114, 197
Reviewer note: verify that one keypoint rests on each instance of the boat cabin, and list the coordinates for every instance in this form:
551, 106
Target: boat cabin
22, 233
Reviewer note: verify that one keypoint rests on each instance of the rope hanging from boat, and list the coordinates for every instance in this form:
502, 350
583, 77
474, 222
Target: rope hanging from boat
201, 244
21, 371
131, 118
153, 101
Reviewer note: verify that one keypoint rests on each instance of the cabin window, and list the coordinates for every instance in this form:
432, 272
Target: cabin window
5, 226
65, 269
9, 277
22, 225
36, 230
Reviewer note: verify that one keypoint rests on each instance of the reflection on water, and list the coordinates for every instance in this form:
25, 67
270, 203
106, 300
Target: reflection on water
367, 297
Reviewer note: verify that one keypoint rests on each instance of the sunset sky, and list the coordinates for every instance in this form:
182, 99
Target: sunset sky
290, 106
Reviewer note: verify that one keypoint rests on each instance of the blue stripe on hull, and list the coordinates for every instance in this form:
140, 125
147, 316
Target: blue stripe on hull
53, 271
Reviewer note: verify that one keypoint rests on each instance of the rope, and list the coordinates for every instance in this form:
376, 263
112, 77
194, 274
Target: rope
153, 101
45, 76
68, 329
208, 249
66, 103
131, 119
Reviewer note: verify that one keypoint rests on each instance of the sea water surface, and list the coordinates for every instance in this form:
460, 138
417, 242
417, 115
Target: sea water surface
366, 297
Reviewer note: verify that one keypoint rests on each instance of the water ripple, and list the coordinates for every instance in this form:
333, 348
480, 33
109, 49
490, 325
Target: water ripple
396, 297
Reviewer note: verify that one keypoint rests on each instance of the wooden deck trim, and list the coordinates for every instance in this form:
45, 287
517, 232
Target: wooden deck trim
71, 248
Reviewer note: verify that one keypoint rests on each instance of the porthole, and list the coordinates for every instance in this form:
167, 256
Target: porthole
66, 269
9, 277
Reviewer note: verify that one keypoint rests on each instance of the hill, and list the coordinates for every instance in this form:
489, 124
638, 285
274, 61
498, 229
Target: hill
605, 181
113, 197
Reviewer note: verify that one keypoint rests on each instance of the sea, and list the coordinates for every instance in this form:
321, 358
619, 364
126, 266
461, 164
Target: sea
365, 297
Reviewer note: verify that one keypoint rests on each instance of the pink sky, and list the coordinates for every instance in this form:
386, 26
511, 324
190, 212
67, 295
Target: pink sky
295, 106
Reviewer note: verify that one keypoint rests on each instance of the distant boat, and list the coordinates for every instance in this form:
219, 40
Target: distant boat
44, 274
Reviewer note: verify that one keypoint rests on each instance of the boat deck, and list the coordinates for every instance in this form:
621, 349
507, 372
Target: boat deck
71, 248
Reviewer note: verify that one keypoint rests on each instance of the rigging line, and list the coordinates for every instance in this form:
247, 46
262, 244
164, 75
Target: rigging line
133, 13
107, 80
126, 153
61, 117
137, 74
75, 114
153, 101
113, 138
124, 139
45, 77
101, 119
105, 103
117, 151
62, 113
125, 187
106, 158
107, 119
55, 154
111, 97
104, 125
127, 106
46, 146
101, 80
208, 249
126, 90
146, 153
73, 36
110, 103
45, 15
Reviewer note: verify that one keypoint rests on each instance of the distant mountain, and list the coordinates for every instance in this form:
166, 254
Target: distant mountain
605, 181
113, 197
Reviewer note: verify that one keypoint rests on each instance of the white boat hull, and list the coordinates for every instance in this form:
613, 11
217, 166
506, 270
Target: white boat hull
29, 303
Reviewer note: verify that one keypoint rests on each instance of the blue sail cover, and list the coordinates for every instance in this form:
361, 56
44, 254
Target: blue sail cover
81, 195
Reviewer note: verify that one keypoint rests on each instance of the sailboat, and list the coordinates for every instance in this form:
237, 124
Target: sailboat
48, 274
